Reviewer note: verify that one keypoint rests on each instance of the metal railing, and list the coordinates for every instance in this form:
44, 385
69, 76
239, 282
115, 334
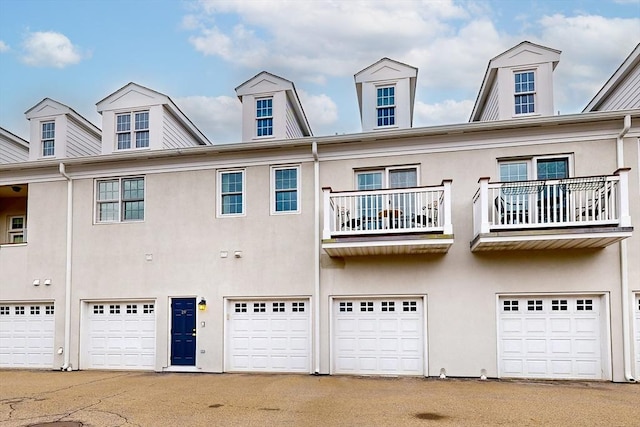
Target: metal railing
584, 201
389, 211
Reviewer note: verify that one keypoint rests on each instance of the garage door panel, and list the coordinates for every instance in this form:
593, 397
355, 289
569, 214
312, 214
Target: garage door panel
561, 337
120, 335
27, 335
268, 336
378, 336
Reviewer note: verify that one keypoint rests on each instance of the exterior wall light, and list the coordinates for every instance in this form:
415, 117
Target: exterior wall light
36, 282
202, 305
47, 282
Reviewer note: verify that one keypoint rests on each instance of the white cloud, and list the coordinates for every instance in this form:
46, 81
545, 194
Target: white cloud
219, 118
50, 49
592, 49
321, 111
4, 47
446, 112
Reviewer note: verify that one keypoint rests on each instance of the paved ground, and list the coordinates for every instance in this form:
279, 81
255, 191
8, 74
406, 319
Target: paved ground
96, 398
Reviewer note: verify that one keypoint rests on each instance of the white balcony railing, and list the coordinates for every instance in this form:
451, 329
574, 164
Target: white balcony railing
570, 202
390, 211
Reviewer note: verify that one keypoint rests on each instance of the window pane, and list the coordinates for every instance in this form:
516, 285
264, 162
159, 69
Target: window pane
553, 169
231, 182
108, 211
133, 210
142, 139
123, 123
516, 171
108, 190
286, 179
124, 141
370, 181
401, 178
142, 121
232, 204
286, 201
133, 189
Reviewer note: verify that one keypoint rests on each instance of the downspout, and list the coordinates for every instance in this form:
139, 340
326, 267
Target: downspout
624, 263
316, 255
67, 282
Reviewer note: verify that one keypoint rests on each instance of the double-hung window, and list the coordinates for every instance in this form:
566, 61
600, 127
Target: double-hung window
525, 91
16, 229
48, 139
285, 182
386, 105
138, 134
264, 117
120, 199
231, 193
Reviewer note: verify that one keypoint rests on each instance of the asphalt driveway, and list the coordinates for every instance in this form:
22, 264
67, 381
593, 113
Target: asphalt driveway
97, 398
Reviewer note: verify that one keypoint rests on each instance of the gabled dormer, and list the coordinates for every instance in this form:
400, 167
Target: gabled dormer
58, 132
271, 109
517, 83
386, 93
138, 118
13, 149
622, 90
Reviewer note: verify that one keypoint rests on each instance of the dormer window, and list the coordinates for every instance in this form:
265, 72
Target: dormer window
386, 106
139, 134
264, 117
525, 90
48, 139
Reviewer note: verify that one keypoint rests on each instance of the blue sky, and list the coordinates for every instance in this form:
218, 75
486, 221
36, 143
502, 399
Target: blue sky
197, 52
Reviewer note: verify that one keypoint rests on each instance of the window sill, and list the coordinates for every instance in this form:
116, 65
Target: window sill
12, 245
258, 138
386, 127
517, 116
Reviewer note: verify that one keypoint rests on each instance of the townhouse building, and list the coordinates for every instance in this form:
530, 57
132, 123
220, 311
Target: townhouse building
503, 247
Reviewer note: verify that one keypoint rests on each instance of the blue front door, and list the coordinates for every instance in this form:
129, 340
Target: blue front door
183, 331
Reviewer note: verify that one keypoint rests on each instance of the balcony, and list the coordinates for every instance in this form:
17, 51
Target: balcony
585, 212
413, 220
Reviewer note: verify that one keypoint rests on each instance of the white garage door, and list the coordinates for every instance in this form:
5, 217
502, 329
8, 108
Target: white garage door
268, 336
26, 335
556, 337
637, 313
378, 336
120, 335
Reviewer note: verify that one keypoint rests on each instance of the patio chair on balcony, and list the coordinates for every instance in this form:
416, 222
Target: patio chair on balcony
346, 223
429, 216
595, 208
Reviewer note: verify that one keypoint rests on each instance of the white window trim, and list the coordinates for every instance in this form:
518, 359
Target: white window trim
219, 213
385, 173
13, 233
132, 131
255, 115
272, 191
382, 85
515, 71
120, 220
532, 164
42, 140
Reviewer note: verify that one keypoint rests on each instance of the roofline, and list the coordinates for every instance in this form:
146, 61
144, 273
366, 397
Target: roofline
239, 147
382, 59
295, 92
14, 138
489, 76
73, 113
615, 79
172, 106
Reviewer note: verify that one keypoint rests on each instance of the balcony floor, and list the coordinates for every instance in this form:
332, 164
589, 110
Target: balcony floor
543, 239
405, 244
